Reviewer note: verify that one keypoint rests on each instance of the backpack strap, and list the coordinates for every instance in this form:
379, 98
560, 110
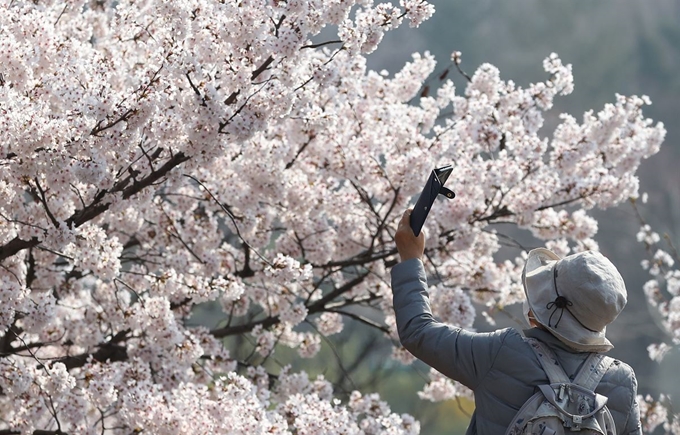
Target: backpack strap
592, 371
551, 365
589, 375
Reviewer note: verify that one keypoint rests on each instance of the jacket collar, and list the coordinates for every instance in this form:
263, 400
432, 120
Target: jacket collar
549, 339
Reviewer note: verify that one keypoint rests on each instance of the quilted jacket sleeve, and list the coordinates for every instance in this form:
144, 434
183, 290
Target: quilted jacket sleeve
461, 355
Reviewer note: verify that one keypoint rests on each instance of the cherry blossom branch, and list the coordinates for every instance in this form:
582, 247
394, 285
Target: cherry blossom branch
27, 346
565, 202
224, 124
11, 272
362, 319
300, 150
177, 236
15, 221
268, 322
499, 212
382, 220
110, 351
503, 211
196, 91
510, 241
321, 44
100, 126
427, 84
320, 304
232, 218
43, 201
98, 206
53, 411
457, 61
10, 335
231, 99
61, 14
262, 68
309, 80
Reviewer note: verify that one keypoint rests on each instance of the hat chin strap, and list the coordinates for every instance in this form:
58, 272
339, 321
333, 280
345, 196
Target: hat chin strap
561, 303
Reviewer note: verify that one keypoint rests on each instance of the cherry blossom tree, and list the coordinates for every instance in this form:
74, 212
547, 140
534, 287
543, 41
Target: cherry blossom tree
157, 155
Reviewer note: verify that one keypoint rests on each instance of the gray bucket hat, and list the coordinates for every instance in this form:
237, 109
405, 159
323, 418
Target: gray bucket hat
574, 297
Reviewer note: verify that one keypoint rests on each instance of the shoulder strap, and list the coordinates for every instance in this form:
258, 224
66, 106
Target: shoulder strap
549, 362
590, 374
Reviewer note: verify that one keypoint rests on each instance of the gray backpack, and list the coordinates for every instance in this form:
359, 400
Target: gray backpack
565, 406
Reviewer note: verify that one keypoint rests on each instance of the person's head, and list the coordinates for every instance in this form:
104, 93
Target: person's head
575, 297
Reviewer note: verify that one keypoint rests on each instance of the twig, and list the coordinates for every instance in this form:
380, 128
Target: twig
321, 44
302, 148
62, 13
315, 307
43, 201
463, 73
196, 91
338, 359
178, 237
361, 319
232, 218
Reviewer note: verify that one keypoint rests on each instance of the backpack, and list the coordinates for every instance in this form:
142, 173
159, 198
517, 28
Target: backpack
565, 406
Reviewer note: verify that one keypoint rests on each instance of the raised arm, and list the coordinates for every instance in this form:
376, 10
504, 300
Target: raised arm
461, 355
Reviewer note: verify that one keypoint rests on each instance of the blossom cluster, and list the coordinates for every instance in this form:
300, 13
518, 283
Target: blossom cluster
655, 413
441, 388
662, 289
160, 156
663, 296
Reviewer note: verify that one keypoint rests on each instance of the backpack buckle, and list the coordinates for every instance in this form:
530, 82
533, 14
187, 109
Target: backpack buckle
577, 420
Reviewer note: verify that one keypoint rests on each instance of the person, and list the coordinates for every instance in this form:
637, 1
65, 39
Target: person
570, 301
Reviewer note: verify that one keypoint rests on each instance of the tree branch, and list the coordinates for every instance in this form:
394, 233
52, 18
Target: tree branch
302, 148
270, 321
262, 67
321, 44
97, 207
43, 201
362, 319
109, 351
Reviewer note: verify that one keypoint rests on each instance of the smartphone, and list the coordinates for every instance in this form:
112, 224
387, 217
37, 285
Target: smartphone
433, 187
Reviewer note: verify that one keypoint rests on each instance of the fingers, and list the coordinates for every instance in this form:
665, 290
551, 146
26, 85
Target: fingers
406, 218
408, 245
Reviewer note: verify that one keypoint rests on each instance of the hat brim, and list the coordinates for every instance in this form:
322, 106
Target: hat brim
539, 289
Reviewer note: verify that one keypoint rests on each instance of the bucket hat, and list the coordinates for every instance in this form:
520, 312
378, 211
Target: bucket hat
574, 297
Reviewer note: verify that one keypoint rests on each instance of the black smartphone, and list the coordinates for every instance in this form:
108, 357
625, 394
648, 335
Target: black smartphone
433, 187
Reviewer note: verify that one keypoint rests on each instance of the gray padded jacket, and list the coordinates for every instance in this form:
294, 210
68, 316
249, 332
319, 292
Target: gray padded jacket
499, 366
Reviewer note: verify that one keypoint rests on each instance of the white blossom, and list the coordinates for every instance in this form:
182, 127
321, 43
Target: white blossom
441, 388
329, 323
